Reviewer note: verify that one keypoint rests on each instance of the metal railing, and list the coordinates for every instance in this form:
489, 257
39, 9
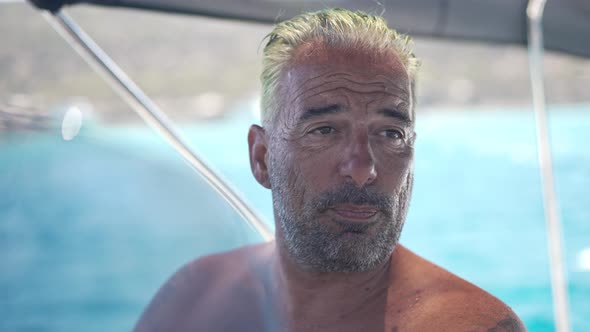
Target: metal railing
534, 14
150, 113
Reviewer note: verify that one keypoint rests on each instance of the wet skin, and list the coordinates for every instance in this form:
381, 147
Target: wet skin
347, 120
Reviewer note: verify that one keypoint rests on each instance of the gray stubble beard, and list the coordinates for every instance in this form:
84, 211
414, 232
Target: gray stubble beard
315, 247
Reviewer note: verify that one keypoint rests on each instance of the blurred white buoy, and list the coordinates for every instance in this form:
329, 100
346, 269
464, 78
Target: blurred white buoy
71, 124
584, 259
255, 109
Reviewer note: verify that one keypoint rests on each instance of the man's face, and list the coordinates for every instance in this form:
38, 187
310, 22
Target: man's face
340, 158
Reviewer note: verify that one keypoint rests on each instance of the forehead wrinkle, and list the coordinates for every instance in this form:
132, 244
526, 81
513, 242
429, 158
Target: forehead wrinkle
379, 99
384, 79
395, 84
361, 82
345, 89
309, 81
386, 93
380, 83
337, 103
327, 75
344, 76
306, 90
394, 81
298, 91
383, 89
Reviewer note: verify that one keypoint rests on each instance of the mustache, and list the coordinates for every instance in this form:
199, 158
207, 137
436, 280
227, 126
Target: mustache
350, 194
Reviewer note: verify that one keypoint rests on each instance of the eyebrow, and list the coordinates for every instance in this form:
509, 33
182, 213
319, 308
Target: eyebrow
396, 114
319, 111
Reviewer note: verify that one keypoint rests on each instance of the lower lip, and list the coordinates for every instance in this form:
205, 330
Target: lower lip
355, 215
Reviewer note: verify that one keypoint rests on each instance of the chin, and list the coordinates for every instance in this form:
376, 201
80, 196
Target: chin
360, 257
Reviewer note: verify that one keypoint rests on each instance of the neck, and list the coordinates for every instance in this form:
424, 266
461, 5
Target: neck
323, 296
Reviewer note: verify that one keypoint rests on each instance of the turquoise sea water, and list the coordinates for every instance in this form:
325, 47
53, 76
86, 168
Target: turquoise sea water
90, 228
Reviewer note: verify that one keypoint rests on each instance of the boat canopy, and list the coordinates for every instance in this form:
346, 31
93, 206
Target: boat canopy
566, 23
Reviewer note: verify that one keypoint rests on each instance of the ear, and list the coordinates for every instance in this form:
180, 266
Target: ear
258, 149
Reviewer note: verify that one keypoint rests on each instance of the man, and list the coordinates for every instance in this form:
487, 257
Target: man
336, 150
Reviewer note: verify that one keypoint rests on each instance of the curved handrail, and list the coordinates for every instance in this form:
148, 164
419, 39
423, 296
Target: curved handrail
558, 278
150, 113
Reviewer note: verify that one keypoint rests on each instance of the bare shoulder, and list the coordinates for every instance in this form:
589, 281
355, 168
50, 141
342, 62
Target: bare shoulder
203, 280
450, 303
456, 307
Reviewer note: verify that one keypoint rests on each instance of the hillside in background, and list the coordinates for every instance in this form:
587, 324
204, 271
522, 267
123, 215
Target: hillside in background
199, 68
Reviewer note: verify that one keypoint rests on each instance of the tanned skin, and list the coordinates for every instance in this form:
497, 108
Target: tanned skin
262, 287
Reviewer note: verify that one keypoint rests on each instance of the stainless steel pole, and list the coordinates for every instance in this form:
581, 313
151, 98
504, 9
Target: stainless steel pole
558, 276
149, 112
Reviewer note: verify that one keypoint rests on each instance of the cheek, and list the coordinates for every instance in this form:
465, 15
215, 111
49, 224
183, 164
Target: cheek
306, 172
317, 167
395, 168
286, 179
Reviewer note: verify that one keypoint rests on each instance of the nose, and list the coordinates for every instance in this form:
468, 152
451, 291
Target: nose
358, 162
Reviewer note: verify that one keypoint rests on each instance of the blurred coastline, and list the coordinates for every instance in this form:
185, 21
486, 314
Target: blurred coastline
197, 68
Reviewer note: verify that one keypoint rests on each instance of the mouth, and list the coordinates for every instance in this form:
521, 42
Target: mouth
355, 212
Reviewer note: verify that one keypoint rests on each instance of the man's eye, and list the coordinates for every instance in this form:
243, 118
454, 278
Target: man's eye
325, 130
392, 133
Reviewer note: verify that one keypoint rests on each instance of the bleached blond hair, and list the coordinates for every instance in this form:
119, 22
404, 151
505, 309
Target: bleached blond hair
336, 27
